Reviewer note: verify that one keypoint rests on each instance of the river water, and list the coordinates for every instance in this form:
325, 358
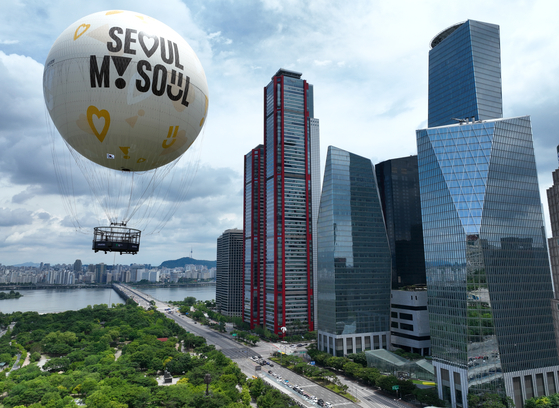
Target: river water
60, 300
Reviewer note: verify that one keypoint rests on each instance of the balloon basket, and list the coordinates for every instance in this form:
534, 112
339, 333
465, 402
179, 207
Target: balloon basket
116, 239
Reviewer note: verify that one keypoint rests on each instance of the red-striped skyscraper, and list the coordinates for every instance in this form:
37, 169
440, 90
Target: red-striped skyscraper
281, 269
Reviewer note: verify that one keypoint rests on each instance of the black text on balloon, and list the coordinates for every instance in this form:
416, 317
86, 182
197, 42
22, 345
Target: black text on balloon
156, 79
149, 43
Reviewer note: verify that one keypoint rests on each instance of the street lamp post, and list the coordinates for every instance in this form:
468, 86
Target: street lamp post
207, 381
283, 330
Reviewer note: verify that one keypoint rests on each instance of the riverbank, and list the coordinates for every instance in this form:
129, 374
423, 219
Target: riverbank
33, 286
170, 285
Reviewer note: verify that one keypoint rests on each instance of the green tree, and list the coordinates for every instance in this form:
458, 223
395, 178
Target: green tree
57, 364
429, 396
179, 364
256, 388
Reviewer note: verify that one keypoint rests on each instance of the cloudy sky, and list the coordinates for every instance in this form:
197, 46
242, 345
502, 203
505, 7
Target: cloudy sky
366, 59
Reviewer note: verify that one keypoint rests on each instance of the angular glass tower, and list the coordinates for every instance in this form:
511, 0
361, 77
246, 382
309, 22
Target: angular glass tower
489, 283
465, 74
354, 261
488, 277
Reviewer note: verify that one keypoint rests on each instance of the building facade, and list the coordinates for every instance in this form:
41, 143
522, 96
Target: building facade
465, 74
489, 283
398, 184
354, 260
229, 274
254, 277
553, 244
409, 321
291, 143
487, 268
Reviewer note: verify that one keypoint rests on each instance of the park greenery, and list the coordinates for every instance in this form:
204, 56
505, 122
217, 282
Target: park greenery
112, 357
326, 368
551, 401
492, 400
10, 295
355, 366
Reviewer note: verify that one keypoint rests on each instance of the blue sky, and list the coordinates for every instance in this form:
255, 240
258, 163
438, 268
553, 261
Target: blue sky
366, 59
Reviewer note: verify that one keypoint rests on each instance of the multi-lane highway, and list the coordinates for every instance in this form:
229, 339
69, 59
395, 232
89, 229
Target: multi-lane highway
242, 356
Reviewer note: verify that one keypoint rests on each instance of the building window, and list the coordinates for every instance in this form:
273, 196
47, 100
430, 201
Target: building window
405, 326
406, 316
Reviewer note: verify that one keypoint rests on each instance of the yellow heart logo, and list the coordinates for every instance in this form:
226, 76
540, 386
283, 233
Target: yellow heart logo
92, 110
84, 28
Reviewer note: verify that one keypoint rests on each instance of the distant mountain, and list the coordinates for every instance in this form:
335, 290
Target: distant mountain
179, 263
36, 265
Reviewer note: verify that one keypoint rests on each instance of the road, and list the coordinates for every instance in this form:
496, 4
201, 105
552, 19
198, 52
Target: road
241, 355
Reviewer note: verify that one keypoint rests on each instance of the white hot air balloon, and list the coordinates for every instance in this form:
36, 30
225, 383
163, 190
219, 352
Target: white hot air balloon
127, 93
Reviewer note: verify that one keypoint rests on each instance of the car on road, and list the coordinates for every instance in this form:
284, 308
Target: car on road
270, 372
320, 402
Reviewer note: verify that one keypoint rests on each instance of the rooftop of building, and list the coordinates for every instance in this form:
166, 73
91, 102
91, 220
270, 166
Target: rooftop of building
288, 73
440, 37
467, 121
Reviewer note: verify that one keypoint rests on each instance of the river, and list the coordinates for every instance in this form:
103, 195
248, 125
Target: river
60, 300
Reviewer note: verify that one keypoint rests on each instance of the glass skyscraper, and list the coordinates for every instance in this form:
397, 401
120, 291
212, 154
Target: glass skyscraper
488, 276
465, 74
281, 292
553, 243
229, 273
254, 237
398, 184
354, 261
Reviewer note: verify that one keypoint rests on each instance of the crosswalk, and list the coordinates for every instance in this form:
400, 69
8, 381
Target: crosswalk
236, 353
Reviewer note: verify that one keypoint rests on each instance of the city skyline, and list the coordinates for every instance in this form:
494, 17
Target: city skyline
370, 101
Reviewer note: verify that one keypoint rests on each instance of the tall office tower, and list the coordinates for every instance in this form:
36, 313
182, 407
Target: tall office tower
488, 277
553, 244
78, 265
229, 275
354, 261
254, 238
465, 74
398, 183
292, 153
100, 273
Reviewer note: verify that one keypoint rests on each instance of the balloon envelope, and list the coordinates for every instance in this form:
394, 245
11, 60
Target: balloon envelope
125, 91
